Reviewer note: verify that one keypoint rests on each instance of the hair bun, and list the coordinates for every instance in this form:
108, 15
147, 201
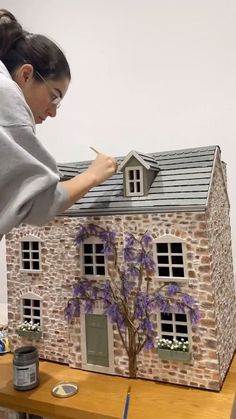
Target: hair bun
6, 17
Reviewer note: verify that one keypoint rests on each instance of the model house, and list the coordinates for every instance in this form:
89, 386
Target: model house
181, 198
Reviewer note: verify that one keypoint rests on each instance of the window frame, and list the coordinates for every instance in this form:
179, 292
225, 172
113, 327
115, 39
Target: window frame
175, 323
135, 181
30, 240
93, 241
32, 297
169, 239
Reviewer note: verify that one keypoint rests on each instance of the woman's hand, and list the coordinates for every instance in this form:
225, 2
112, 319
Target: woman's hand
102, 168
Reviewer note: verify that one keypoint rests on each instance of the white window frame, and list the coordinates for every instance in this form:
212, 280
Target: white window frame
135, 181
30, 240
93, 241
169, 239
32, 297
91, 367
175, 323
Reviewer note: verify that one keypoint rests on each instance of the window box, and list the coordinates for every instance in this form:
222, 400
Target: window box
172, 355
30, 334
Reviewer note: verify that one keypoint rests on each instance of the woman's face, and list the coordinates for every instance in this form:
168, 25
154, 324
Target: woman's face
42, 96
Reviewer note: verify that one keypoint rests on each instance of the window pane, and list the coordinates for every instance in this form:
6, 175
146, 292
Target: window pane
181, 329
35, 245
177, 260
165, 327
163, 260
138, 187
100, 259
131, 187
36, 303
26, 265
178, 271
176, 247
25, 255
88, 259
166, 316
25, 245
163, 271
162, 248
36, 321
88, 248
27, 303
100, 270
35, 265
36, 313
138, 174
88, 270
131, 174
35, 255
27, 319
99, 248
27, 311
181, 337
180, 317
167, 337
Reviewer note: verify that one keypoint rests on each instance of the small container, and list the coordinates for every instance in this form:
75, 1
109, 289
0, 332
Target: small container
25, 368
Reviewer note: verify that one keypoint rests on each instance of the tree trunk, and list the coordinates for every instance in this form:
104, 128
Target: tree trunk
132, 354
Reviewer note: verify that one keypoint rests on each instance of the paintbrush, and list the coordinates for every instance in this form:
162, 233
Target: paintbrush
125, 415
94, 149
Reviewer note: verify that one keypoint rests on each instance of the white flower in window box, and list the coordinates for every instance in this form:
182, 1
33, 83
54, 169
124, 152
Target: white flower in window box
29, 330
173, 350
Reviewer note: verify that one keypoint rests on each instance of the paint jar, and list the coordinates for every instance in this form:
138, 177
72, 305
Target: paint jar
25, 368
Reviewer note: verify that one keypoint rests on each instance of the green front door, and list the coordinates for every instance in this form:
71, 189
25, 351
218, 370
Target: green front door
96, 339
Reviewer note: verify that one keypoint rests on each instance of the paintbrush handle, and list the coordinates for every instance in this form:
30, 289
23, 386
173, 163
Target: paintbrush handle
94, 149
125, 415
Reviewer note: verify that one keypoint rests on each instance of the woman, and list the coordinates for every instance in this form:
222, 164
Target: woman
34, 78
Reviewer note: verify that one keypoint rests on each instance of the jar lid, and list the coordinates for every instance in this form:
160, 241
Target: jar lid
64, 389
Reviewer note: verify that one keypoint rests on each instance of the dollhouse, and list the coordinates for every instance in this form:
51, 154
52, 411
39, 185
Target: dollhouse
179, 196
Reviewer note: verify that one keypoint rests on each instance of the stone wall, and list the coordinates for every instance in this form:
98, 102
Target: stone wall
61, 267
221, 269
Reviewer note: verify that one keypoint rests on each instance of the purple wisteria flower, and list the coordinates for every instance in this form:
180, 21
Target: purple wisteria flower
173, 289
129, 255
194, 315
146, 239
146, 261
149, 343
187, 300
129, 240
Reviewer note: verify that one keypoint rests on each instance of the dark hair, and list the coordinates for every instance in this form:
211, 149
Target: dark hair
18, 47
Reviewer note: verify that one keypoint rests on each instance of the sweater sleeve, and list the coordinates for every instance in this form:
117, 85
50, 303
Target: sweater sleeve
30, 191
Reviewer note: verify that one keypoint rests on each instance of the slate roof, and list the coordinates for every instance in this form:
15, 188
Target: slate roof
182, 184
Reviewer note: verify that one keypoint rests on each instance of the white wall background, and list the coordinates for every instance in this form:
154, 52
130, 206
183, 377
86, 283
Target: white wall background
149, 75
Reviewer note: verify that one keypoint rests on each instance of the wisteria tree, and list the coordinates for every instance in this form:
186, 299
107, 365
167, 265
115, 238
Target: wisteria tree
129, 297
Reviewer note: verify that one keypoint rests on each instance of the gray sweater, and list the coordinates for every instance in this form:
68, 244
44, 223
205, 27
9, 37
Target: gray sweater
30, 191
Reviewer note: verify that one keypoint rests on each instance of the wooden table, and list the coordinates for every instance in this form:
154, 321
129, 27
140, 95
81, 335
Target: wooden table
103, 397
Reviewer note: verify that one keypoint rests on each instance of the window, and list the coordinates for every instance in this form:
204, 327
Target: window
134, 181
170, 259
174, 326
31, 309
30, 255
93, 259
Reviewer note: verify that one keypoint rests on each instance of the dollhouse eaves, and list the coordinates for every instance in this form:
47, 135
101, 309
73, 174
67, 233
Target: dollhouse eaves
182, 183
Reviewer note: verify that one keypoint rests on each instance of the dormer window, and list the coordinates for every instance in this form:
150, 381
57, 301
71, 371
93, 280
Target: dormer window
139, 171
134, 181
